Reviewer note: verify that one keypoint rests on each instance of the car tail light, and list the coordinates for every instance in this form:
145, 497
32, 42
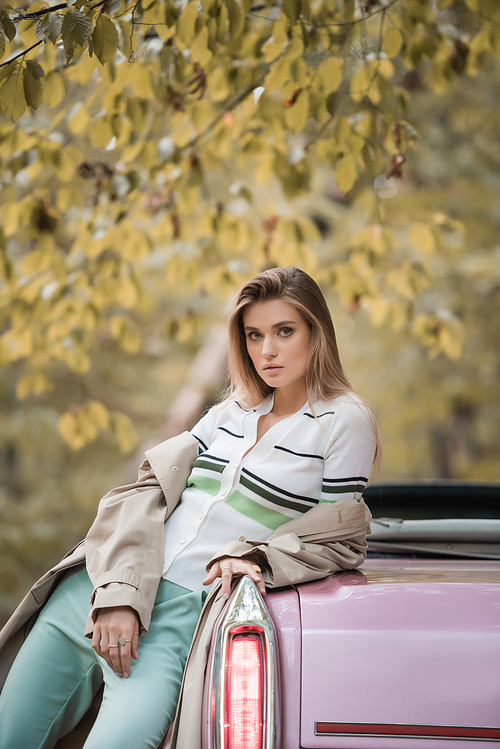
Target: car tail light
244, 692
244, 684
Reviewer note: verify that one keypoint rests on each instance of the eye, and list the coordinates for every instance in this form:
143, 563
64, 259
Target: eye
285, 332
253, 336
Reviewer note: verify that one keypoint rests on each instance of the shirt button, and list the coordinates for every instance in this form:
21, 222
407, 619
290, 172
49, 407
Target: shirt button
201, 515
175, 468
242, 539
183, 541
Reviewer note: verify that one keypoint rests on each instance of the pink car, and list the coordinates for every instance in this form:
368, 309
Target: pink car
402, 653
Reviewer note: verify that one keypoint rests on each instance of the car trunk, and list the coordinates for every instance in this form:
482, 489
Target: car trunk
402, 648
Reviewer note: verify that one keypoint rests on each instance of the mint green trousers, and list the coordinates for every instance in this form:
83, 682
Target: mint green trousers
56, 674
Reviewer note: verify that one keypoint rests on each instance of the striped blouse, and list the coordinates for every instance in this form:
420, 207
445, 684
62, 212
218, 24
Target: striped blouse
239, 488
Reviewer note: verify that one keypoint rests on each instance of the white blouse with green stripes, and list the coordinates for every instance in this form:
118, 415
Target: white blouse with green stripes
319, 454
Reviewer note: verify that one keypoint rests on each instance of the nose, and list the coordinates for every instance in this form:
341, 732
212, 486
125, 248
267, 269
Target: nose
269, 346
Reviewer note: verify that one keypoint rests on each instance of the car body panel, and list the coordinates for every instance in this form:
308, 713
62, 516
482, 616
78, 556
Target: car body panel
283, 606
401, 642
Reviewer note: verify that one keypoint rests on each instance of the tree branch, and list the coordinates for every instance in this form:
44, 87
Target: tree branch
351, 24
44, 11
21, 54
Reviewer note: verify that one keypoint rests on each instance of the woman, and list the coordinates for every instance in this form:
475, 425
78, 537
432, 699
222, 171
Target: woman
291, 448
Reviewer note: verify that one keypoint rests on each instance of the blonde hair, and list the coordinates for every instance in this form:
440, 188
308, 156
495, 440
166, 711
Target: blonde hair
325, 377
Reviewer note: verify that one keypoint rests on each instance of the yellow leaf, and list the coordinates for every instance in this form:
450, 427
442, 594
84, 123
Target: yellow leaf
218, 84
126, 333
140, 80
101, 133
199, 48
126, 294
79, 119
201, 114
34, 382
296, 116
294, 49
186, 23
451, 338
12, 216
392, 42
186, 327
379, 308
398, 315
53, 88
345, 173
99, 414
330, 73
68, 427
183, 134
358, 85
278, 74
422, 236
136, 246
124, 432
35, 262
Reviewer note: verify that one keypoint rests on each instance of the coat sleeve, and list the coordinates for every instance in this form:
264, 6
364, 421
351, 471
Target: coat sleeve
327, 539
124, 546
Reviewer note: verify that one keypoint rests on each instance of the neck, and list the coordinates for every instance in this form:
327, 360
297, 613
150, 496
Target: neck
289, 400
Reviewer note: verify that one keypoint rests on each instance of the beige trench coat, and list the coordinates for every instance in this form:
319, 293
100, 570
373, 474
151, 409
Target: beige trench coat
123, 549
124, 554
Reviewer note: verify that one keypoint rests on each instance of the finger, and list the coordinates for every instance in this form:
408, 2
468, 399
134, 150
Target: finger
135, 645
96, 640
254, 572
226, 576
212, 574
125, 652
105, 652
114, 659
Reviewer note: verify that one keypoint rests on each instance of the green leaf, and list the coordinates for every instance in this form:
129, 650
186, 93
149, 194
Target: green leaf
292, 9
2, 46
105, 39
69, 49
392, 42
75, 28
12, 98
33, 85
9, 28
236, 17
49, 27
36, 70
330, 73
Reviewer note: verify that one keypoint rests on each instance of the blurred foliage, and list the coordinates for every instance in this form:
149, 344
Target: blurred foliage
145, 133
153, 177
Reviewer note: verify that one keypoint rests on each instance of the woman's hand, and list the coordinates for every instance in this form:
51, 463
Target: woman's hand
229, 566
112, 624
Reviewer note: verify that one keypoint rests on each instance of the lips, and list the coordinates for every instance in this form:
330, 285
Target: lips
271, 367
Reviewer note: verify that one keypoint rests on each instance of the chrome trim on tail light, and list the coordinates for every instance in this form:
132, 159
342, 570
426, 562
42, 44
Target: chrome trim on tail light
245, 613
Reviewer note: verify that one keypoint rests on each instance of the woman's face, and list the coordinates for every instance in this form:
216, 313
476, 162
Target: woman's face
277, 338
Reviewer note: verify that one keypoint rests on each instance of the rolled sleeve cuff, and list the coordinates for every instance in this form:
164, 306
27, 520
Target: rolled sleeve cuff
114, 594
